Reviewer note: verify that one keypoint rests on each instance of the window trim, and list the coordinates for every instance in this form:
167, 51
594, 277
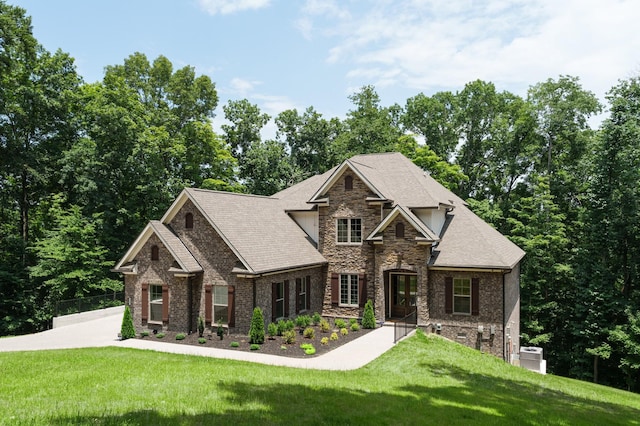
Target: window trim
455, 295
350, 287
350, 222
153, 301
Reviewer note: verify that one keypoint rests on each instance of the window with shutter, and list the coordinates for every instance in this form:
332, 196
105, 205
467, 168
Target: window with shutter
188, 221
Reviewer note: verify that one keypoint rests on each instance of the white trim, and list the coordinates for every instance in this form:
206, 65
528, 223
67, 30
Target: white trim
349, 294
337, 173
349, 242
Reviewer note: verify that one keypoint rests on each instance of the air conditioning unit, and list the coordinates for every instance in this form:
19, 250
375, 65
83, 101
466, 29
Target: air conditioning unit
531, 359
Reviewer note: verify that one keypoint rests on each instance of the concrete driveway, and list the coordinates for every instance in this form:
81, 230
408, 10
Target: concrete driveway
104, 332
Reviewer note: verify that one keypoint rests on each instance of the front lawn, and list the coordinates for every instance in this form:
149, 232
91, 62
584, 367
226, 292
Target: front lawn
423, 380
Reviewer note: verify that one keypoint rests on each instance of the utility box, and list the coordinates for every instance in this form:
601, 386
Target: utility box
531, 359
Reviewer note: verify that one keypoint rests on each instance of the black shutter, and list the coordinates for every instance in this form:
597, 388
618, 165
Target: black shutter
286, 298
362, 289
207, 303
308, 284
335, 288
448, 295
232, 310
475, 296
298, 290
274, 295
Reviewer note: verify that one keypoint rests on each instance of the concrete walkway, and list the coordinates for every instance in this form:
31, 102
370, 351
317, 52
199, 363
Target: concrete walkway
104, 332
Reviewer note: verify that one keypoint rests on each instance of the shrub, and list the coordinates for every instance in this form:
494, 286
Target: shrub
325, 340
180, 336
144, 334
368, 317
234, 344
200, 326
344, 331
289, 325
282, 327
334, 336
283, 347
308, 348
316, 318
160, 335
352, 321
202, 340
127, 331
355, 327
324, 326
289, 337
254, 347
301, 321
272, 330
256, 332
340, 323
309, 333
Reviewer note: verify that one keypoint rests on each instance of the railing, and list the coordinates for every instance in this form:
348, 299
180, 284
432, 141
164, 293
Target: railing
83, 304
404, 326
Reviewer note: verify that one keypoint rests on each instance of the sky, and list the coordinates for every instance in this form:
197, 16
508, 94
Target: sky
284, 54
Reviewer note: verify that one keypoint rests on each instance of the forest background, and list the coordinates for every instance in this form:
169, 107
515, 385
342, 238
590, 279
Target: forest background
83, 168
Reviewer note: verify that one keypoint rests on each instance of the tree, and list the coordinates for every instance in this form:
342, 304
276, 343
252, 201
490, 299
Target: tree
266, 170
627, 338
368, 317
246, 123
256, 330
127, 330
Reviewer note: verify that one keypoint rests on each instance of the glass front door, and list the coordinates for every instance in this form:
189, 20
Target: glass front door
403, 292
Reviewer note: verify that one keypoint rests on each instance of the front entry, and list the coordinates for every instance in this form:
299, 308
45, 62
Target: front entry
400, 292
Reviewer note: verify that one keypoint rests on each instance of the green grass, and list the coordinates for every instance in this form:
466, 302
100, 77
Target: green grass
423, 380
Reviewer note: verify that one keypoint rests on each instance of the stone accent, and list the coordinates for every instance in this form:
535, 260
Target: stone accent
464, 328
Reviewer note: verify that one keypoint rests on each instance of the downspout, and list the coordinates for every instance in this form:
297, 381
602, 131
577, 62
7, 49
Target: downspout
504, 323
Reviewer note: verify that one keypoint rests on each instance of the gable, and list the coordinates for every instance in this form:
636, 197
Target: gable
337, 178
425, 234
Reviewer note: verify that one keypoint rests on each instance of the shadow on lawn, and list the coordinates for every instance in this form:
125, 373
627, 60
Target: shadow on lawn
476, 400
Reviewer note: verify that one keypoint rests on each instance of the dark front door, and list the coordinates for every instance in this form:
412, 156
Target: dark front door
402, 295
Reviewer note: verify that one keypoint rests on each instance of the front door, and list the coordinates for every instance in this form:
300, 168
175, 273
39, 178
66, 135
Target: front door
402, 295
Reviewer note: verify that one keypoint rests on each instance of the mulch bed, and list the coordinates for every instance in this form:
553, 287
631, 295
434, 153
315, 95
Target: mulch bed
274, 346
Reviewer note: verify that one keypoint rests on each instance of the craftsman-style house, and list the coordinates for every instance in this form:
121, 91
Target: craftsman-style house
375, 227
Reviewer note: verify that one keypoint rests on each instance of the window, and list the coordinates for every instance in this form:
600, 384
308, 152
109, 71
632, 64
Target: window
348, 183
155, 303
461, 296
220, 303
155, 253
349, 231
303, 287
349, 290
188, 221
278, 299
399, 230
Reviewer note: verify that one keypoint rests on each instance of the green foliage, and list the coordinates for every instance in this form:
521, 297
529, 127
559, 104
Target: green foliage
272, 330
340, 323
309, 333
144, 334
334, 336
202, 340
180, 336
303, 321
316, 318
368, 316
234, 344
200, 326
355, 327
344, 331
160, 335
324, 325
256, 331
254, 347
324, 340
289, 337
308, 348
127, 331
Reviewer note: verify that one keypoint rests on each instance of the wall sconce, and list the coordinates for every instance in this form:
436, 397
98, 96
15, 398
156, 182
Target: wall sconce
480, 329
438, 327
492, 329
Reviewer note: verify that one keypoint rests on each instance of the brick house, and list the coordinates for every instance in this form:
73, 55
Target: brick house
375, 227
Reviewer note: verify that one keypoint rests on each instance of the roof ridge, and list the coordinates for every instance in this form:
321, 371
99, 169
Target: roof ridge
239, 194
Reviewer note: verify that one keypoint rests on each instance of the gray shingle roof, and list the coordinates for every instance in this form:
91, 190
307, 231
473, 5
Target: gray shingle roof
258, 230
180, 253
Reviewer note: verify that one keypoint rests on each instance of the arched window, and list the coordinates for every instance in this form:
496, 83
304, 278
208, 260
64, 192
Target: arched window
188, 221
348, 183
155, 253
399, 230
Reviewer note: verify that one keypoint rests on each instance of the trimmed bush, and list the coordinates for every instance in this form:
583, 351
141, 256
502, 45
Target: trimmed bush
316, 318
144, 334
309, 333
352, 321
200, 326
254, 347
308, 348
234, 344
289, 337
324, 326
334, 336
282, 327
202, 340
324, 340
340, 323
256, 332
180, 336
272, 330
160, 335
355, 327
344, 331
368, 317
127, 331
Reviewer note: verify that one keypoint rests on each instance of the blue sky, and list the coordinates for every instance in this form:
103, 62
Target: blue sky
299, 53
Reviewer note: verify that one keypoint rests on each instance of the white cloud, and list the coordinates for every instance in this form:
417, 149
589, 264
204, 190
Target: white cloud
242, 86
427, 44
225, 7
